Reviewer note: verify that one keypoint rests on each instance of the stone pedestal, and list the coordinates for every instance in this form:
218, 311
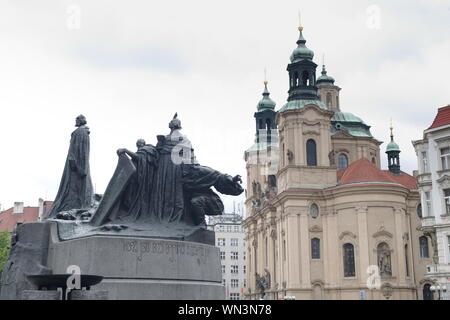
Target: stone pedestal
41, 295
133, 268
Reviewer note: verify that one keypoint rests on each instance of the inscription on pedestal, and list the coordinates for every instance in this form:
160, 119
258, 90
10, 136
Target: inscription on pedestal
172, 251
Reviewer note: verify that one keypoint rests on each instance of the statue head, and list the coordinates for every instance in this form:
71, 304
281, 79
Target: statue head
175, 123
140, 143
80, 121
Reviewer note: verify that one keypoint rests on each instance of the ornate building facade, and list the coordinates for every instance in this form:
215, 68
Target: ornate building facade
433, 155
324, 221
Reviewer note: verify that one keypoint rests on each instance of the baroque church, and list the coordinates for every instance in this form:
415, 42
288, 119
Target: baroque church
324, 220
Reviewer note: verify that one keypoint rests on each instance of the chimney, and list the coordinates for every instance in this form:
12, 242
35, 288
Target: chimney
18, 207
41, 209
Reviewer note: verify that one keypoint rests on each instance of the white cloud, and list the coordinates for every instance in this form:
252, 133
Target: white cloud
133, 64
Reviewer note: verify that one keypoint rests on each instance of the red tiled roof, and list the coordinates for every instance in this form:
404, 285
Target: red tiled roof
8, 219
364, 170
442, 118
405, 179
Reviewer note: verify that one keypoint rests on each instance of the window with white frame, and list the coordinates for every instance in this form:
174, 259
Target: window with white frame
448, 243
229, 228
234, 255
221, 242
447, 200
428, 203
234, 269
445, 158
224, 282
234, 242
235, 296
424, 162
223, 269
221, 228
222, 255
244, 268
234, 283
236, 229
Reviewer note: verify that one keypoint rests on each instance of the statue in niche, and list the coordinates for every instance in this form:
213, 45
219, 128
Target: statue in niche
331, 158
75, 189
290, 156
384, 260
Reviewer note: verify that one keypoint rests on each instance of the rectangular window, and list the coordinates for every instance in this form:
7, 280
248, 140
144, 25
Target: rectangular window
245, 283
234, 283
315, 248
224, 282
244, 269
223, 269
234, 242
234, 269
222, 255
448, 243
424, 162
447, 200
445, 158
236, 229
221, 242
234, 255
221, 228
229, 229
234, 296
428, 203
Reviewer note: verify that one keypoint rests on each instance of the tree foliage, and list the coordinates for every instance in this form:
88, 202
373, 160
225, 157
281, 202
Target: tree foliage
5, 238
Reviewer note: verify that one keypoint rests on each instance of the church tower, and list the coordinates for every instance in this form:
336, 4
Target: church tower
262, 157
328, 91
393, 153
304, 127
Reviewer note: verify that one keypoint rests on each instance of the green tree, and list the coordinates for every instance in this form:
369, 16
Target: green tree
5, 238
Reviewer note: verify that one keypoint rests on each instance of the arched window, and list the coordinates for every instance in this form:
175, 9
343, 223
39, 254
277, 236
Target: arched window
342, 161
314, 210
305, 78
328, 99
295, 79
349, 260
419, 210
315, 248
311, 153
423, 243
374, 161
384, 259
427, 294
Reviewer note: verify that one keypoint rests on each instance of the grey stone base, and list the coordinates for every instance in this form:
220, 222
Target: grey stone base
132, 267
88, 295
41, 295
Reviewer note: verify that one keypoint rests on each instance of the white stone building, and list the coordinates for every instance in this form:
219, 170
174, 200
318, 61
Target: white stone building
433, 155
230, 240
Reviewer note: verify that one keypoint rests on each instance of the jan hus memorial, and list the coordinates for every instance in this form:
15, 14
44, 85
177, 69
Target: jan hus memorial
145, 237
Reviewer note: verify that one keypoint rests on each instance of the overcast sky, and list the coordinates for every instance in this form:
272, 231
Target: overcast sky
130, 65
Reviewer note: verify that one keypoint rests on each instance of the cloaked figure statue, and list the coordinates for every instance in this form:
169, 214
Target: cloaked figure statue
159, 191
75, 189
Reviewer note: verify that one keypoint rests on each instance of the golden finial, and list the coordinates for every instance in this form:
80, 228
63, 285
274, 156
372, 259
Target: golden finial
300, 28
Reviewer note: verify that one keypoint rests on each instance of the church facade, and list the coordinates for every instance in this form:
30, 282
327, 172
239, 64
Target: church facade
324, 221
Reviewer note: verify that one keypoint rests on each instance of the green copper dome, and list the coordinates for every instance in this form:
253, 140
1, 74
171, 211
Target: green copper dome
392, 146
324, 79
348, 122
301, 52
266, 102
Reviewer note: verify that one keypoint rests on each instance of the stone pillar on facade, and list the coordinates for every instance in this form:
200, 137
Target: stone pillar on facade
293, 257
305, 261
401, 267
363, 243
